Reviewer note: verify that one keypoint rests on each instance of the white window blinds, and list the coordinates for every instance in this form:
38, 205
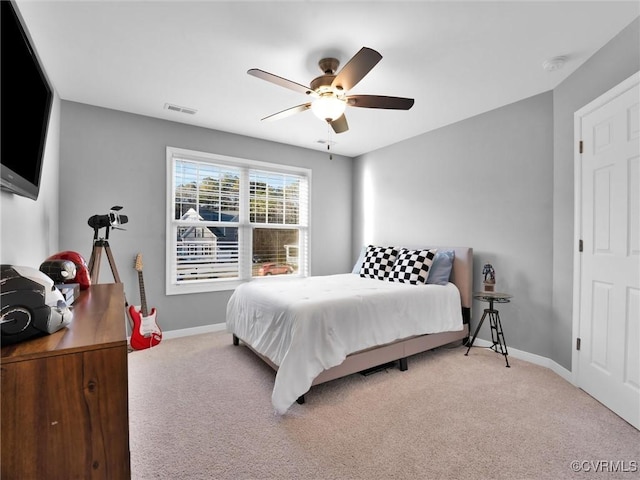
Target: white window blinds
232, 220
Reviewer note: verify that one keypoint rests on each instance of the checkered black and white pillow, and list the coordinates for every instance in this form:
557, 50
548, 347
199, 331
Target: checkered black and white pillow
412, 266
378, 262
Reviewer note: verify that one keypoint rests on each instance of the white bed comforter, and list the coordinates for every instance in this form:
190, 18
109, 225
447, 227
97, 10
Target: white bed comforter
308, 325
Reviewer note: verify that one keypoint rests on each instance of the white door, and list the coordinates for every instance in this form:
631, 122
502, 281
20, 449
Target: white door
608, 215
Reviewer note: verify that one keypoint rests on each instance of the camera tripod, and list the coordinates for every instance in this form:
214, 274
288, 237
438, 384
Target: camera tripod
96, 255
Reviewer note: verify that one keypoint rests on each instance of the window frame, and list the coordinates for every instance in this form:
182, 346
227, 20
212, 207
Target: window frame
245, 227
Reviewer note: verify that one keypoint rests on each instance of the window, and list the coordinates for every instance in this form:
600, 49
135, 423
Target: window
230, 220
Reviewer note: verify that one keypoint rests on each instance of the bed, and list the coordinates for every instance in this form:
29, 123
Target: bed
316, 329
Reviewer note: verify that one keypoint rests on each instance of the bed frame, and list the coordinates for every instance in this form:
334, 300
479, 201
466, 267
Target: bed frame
461, 276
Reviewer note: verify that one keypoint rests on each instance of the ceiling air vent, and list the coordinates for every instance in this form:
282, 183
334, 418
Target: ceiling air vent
178, 108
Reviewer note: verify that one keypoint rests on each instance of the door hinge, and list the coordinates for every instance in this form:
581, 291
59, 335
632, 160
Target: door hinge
580, 245
581, 147
578, 343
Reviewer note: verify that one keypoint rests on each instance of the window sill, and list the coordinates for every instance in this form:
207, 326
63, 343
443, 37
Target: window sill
230, 285
204, 287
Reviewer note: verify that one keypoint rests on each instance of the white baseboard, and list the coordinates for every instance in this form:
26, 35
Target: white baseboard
532, 358
185, 332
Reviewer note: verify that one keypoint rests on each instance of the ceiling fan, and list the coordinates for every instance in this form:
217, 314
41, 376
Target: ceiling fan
329, 90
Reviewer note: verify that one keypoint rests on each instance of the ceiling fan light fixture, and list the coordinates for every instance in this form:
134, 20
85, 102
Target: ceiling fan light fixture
328, 107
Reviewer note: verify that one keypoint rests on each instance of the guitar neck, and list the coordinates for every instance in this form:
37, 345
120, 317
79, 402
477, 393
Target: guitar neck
143, 296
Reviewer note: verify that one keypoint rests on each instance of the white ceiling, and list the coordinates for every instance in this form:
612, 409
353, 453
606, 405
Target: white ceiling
457, 59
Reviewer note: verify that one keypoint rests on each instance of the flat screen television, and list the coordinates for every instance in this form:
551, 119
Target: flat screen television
26, 97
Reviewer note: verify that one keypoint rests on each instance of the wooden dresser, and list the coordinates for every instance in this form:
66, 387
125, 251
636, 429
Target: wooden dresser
64, 397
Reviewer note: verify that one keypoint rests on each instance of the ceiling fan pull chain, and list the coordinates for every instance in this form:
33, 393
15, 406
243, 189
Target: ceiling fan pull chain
329, 141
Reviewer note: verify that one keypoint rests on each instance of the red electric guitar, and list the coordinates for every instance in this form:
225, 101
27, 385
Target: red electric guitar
145, 331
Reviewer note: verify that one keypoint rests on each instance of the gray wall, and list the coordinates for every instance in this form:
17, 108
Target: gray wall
115, 158
512, 187
28, 228
485, 182
616, 61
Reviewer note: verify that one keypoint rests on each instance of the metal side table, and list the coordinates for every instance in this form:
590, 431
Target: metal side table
497, 335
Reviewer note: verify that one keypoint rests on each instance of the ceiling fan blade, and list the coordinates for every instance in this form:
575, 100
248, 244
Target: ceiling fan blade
288, 112
356, 68
340, 124
380, 101
283, 82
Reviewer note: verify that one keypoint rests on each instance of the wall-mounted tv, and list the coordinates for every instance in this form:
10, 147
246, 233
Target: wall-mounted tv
26, 97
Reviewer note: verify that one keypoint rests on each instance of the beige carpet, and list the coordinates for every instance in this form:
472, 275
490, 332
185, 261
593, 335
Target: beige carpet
200, 408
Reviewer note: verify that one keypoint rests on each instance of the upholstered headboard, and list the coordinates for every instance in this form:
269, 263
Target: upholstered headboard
462, 277
462, 273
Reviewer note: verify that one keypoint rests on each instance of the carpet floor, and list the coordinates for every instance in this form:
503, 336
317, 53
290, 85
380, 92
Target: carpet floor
200, 408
